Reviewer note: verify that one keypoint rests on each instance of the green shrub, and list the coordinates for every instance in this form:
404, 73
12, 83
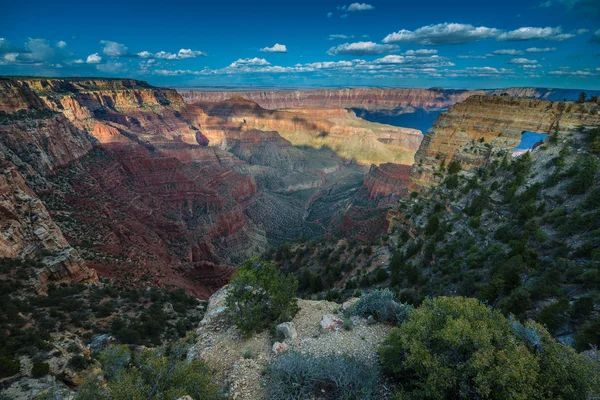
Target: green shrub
296, 376
259, 295
78, 362
554, 316
9, 367
164, 373
584, 170
454, 167
589, 336
381, 305
40, 369
456, 347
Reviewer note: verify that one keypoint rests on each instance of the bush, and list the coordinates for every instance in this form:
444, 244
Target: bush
40, 369
589, 336
162, 373
78, 362
584, 170
259, 295
296, 376
456, 347
454, 168
9, 367
382, 306
555, 315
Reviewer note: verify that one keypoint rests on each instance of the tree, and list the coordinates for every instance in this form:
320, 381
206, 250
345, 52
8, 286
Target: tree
259, 295
582, 97
456, 347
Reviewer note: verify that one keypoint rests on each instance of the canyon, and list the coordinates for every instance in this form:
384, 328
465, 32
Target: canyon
117, 177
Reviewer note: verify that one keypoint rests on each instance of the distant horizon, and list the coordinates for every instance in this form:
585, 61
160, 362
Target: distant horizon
250, 87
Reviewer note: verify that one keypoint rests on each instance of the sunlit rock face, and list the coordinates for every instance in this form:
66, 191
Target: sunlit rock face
484, 128
330, 127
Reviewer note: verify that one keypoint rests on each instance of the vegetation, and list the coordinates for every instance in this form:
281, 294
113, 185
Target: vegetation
297, 376
161, 373
456, 347
380, 305
259, 295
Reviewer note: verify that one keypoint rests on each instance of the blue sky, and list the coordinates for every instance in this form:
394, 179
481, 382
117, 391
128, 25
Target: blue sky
459, 44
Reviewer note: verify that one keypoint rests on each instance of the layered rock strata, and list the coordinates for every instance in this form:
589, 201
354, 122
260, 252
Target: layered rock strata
484, 128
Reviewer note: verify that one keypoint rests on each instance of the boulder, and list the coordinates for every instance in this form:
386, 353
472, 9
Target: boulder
331, 323
287, 330
100, 342
280, 347
216, 305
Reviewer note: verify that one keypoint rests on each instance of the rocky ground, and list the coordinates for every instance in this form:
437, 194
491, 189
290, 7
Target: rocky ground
239, 362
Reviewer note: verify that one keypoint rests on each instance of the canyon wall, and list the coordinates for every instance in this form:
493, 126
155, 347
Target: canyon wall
484, 128
366, 98
331, 127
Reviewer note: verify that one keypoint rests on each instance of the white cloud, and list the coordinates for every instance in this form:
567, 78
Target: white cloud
508, 52
93, 59
529, 33
540, 49
277, 48
360, 7
188, 53
61, 44
329, 15
114, 49
522, 61
334, 37
362, 48
79, 61
581, 73
475, 57
145, 54
420, 52
429, 61
440, 34
111, 67
595, 37
180, 55
249, 61
545, 4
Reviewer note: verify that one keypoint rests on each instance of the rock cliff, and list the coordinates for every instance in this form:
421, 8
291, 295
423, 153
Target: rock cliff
367, 98
485, 128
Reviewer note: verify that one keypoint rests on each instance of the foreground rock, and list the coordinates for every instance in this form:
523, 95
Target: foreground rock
238, 362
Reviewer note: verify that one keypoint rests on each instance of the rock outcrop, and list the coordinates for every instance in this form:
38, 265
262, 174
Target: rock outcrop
387, 182
484, 128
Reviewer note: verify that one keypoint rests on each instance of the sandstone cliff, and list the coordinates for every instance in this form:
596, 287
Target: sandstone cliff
367, 98
484, 128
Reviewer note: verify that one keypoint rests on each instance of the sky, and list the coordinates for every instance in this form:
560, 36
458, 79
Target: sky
283, 43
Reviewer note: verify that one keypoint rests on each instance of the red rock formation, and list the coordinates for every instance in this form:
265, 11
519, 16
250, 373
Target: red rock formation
387, 182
